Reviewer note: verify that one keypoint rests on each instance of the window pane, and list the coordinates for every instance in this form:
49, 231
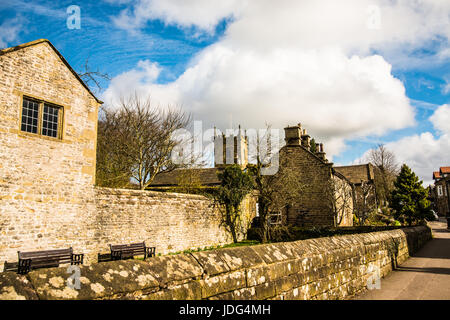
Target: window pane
30, 111
50, 121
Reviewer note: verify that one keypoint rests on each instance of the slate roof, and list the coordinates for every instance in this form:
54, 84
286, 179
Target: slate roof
207, 177
357, 173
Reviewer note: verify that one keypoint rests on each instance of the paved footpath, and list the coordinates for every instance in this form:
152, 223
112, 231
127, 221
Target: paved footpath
424, 276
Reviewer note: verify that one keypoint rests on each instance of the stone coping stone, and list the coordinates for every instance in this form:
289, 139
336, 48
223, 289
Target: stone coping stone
147, 193
211, 262
240, 257
174, 268
102, 280
275, 252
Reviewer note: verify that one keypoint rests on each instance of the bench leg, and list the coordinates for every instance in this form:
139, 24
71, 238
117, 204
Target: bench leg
24, 266
150, 252
116, 255
77, 259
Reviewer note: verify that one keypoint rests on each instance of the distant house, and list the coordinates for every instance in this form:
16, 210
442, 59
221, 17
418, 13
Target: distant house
363, 178
313, 207
440, 191
206, 177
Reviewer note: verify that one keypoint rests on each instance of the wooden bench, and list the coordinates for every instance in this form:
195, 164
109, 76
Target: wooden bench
128, 251
47, 259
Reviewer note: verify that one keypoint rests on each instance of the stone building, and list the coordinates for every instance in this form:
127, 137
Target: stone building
48, 130
440, 191
322, 184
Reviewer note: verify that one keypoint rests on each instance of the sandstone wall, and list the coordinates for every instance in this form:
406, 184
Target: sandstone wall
323, 268
171, 222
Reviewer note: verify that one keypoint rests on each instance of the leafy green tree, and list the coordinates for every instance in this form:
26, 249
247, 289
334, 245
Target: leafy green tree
235, 185
409, 198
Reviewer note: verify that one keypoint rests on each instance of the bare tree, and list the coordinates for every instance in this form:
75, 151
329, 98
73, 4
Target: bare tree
386, 168
276, 192
142, 137
340, 194
92, 78
113, 168
364, 201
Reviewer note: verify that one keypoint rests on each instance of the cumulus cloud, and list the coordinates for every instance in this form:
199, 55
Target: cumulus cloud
425, 152
353, 24
204, 14
332, 95
291, 61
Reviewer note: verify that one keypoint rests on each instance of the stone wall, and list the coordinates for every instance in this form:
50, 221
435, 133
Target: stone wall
323, 268
169, 221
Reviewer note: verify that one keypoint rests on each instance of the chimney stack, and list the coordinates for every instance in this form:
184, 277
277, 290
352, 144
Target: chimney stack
292, 135
320, 152
306, 140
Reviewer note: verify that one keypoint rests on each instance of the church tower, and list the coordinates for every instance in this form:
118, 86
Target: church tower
231, 149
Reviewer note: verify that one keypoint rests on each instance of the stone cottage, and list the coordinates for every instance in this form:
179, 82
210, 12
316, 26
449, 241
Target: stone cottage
362, 177
440, 191
327, 198
48, 130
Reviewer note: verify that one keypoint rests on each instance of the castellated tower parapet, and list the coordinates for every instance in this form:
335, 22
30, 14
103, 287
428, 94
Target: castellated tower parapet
231, 149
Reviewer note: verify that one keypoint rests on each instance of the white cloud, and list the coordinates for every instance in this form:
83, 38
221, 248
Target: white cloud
441, 119
205, 14
425, 153
446, 86
349, 24
292, 61
9, 31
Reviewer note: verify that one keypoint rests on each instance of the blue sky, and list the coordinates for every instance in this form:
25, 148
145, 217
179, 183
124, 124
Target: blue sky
215, 60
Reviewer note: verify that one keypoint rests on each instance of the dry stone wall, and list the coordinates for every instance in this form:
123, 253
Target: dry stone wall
324, 268
169, 221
